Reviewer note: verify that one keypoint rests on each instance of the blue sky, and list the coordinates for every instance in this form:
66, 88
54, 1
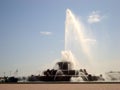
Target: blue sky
32, 32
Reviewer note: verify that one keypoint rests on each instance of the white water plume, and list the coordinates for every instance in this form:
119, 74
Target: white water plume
75, 36
75, 31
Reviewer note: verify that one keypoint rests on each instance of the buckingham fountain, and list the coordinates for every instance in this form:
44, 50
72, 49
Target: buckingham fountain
67, 69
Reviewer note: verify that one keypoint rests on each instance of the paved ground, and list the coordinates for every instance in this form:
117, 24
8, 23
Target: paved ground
59, 86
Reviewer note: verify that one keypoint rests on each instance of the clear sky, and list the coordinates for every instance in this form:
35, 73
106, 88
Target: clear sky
32, 33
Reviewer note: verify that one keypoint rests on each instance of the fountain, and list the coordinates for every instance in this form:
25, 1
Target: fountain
67, 67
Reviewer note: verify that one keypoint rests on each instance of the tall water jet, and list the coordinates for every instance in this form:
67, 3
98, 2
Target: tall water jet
74, 36
75, 31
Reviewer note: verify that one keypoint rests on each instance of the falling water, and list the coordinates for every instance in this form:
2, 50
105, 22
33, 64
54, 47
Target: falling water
75, 31
74, 34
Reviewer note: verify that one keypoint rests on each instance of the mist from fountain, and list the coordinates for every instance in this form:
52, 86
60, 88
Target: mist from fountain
74, 34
